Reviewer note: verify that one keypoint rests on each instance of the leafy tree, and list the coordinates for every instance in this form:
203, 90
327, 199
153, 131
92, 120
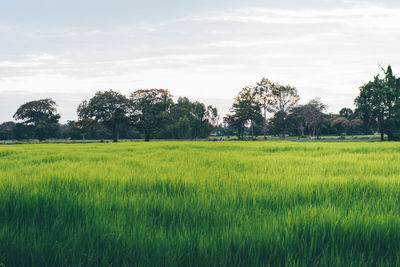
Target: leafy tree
41, 132
151, 109
263, 90
280, 121
109, 108
298, 117
282, 100
341, 124
7, 130
212, 116
181, 129
364, 108
237, 123
82, 126
199, 124
313, 115
378, 102
356, 126
346, 113
39, 112
246, 111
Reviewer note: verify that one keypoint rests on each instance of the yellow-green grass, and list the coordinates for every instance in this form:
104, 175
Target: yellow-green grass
200, 204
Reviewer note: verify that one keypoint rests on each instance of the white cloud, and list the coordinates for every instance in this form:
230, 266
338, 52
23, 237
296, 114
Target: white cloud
323, 52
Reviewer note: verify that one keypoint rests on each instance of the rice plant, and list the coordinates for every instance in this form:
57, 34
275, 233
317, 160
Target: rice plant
200, 204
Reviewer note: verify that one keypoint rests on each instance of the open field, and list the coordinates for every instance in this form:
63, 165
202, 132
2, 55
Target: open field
200, 203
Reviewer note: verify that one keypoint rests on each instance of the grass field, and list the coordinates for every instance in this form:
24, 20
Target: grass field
200, 204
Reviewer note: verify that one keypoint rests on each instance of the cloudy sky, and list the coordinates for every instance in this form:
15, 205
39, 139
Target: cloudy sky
205, 49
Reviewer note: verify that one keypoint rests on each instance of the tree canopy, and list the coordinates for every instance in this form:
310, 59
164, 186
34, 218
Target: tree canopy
42, 111
151, 109
110, 108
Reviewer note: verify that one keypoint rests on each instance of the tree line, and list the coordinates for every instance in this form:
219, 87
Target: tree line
147, 114
377, 110
266, 108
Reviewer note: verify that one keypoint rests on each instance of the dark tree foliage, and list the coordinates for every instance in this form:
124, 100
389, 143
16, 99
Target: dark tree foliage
282, 100
7, 130
82, 127
109, 108
346, 113
341, 124
378, 104
40, 112
245, 111
40, 132
192, 118
151, 109
37, 112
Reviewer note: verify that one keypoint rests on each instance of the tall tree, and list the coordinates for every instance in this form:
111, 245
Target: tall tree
364, 108
212, 116
42, 111
245, 110
314, 113
263, 90
109, 108
298, 116
151, 110
378, 101
41, 115
282, 100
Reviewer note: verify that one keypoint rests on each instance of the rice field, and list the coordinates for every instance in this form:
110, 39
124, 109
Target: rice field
200, 204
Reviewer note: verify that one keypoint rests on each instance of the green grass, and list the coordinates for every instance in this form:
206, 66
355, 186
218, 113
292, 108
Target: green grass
200, 204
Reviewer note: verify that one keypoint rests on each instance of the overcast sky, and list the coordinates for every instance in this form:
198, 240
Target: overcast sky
206, 50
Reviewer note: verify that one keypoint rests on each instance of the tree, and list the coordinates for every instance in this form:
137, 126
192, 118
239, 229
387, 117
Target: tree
341, 125
364, 108
356, 126
40, 132
298, 117
181, 129
212, 116
202, 119
313, 115
39, 112
263, 89
7, 130
282, 100
246, 110
109, 108
151, 109
378, 101
346, 113
82, 126
236, 123
42, 111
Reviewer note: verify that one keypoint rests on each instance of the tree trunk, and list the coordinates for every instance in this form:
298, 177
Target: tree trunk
83, 138
252, 132
382, 136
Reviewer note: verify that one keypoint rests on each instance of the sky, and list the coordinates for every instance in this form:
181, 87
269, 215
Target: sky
206, 50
